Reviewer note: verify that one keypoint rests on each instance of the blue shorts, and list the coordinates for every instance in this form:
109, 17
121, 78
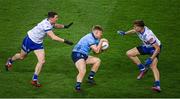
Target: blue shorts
77, 56
28, 45
143, 50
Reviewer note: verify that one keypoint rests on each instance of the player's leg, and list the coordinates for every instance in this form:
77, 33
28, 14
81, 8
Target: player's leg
132, 54
17, 56
81, 66
95, 62
40, 54
25, 49
155, 70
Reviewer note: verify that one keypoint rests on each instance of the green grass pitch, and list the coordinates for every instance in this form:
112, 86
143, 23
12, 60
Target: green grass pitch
117, 74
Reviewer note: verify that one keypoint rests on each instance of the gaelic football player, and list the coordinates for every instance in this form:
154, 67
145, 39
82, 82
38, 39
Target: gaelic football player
33, 41
151, 46
81, 57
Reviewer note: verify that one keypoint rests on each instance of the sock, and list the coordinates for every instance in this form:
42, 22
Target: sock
91, 75
157, 83
78, 85
141, 67
35, 77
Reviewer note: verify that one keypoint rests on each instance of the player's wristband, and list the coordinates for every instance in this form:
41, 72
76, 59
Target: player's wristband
121, 33
68, 42
148, 61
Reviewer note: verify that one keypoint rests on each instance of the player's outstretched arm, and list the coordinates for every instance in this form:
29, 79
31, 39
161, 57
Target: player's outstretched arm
125, 33
97, 48
131, 31
56, 38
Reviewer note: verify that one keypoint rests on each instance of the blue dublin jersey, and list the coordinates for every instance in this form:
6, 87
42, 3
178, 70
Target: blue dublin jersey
84, 44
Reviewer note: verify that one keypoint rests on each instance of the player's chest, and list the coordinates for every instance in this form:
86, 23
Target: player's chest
143, 37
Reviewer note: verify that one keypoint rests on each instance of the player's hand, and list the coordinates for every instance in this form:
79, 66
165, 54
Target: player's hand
148, 61
67, 26
68, 42
121, 33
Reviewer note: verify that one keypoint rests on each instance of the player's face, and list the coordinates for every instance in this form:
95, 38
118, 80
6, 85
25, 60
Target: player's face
55, 19
137, 28
98, 34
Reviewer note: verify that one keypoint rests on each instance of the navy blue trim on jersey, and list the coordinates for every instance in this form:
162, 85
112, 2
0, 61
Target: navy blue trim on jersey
94, 36
92, 44
28, 45
143, 31
153, 42
47, 30
77, 56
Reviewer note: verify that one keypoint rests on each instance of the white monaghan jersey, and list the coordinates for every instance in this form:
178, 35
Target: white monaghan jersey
148, 37
38, 33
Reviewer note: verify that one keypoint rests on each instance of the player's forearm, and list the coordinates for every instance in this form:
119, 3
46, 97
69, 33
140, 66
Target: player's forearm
56, 38
98, 48
130, 32
156, 52
59, 26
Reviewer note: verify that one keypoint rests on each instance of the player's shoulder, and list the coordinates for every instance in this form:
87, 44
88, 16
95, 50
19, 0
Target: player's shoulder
87, 37
45, 22
148, 31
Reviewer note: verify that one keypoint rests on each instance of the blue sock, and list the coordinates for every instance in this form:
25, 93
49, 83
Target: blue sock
157, 83
91, 75
78, 85
141, 67
35, 77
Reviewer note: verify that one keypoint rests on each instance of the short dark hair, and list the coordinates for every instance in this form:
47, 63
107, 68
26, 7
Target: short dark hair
97, 27
51, 14
139, 23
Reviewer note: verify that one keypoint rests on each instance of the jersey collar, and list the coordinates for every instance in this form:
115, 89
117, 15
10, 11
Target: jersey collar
49, 21
94, 36
143, 31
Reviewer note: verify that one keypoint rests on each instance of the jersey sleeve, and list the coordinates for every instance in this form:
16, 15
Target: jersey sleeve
47, 27
91, 42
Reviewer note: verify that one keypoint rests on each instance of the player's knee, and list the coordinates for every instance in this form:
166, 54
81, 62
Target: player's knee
129, 54
21, 57
98, 60
42, 61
